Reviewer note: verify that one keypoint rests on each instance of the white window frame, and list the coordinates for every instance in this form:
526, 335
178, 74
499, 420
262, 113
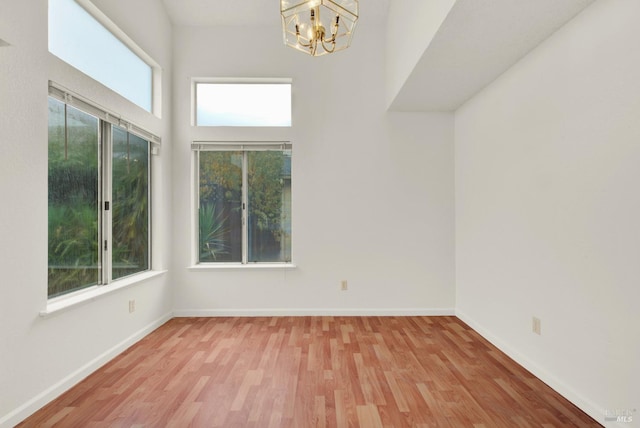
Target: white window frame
156, 70
237, 80
106, 119
234, 146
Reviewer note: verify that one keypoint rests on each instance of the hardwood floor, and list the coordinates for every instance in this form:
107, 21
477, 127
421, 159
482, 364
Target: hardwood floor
311, 372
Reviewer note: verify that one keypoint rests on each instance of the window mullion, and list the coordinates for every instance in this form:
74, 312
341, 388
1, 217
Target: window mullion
196, 220
107, 206
245, 207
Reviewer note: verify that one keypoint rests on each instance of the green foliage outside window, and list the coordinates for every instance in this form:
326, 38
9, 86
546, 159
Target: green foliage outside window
75, 201
268, 223
130, 194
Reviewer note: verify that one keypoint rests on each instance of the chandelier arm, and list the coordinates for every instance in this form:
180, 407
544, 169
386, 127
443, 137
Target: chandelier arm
306, 45
330, 40
333, 46
334, 33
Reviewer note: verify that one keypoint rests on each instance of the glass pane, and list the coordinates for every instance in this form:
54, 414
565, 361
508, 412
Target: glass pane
130, 204
269, 182
243, 104
73, 200
220, 215
79, 39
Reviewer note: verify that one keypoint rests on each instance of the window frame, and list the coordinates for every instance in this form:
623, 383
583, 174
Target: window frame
232, 146
240, 81
106, 121
155, 89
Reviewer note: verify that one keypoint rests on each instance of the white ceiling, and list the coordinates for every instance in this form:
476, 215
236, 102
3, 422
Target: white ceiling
244, 12
477, 42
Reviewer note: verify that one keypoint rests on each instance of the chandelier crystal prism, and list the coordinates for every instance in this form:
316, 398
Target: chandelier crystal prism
318, 27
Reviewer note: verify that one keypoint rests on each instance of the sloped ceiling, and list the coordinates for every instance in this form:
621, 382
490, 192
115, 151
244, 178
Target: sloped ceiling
477, 42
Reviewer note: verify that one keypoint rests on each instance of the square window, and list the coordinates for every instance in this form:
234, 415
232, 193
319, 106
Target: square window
244, 203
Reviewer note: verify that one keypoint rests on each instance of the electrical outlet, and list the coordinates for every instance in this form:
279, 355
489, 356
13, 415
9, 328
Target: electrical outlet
132, 306
343, 285
535, 325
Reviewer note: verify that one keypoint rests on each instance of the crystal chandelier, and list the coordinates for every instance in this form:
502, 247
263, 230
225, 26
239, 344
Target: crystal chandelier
318, 27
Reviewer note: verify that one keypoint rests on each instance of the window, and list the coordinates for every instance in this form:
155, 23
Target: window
244, 202
74, 215
77, 38
98, 197
243, 103
130, 203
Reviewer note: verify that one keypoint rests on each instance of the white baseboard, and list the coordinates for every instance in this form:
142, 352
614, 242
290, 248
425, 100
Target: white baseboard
274, 312
18, 415
596, 412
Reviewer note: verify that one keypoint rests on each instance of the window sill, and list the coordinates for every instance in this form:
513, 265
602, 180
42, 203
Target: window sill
217, 266
62, 303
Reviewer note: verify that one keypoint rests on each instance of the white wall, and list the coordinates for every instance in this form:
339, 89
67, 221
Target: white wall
547, 209
412, 25
372, 192
40, 357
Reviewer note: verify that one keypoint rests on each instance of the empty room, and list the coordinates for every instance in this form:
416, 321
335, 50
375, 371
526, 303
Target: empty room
321, 213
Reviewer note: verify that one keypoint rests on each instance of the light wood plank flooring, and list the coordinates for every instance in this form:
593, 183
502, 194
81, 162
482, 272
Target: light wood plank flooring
312, 372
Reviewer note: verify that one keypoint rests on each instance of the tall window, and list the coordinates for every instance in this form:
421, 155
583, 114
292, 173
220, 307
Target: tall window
130, 201
98, 200
244, 203
79, 39
74, 210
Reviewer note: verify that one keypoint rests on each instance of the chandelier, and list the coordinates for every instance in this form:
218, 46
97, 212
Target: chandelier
318, 27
